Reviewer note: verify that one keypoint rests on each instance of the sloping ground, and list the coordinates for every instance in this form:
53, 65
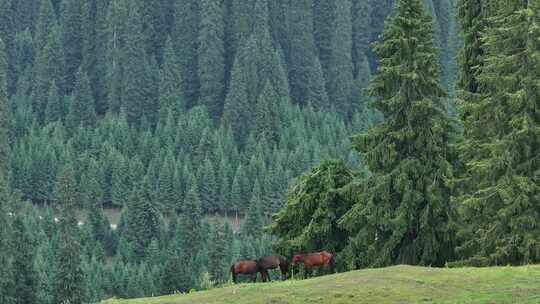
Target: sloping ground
400, 284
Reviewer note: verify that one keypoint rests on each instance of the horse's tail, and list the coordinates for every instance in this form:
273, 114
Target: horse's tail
233, 273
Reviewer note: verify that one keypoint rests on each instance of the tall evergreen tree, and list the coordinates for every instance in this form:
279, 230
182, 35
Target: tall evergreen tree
314, 205
116, 28
187, 17
72, 39
302, 50
137, 93
55, 107
267, 120
5, 117
500, 203
82, 108
254, 217
171, 94
211, 56
403, 212
25, 275
324, 19
48, 67
340, 70
142, 221
236, 103
219, 251
7, 271
68, 277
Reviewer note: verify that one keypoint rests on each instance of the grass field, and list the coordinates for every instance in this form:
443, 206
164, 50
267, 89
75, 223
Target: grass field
400, 284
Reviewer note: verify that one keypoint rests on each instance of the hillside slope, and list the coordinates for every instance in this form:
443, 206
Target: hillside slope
400, 284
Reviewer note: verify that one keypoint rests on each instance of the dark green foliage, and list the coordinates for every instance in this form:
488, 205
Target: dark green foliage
142, 220
267, 119
23, 266
175, 111
253, 226
139, 93
72, 39
403, 212
340, 70
220, 241
82, 108
55, 106
7, 270
308, 221
5, 117
324, 19
171, 95
187, 16
68, 276
302, 52
500, 151
212, 57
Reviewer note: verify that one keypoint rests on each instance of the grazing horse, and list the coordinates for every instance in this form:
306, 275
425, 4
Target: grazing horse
246, 267
317, 259
273, 262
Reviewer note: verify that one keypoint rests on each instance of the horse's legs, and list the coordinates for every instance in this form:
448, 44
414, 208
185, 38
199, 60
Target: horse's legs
267, 276
254, 277
307, 270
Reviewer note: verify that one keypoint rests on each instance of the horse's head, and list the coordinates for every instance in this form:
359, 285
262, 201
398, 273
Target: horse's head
297, 259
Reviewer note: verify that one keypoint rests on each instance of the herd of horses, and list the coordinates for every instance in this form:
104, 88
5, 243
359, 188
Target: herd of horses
310, 261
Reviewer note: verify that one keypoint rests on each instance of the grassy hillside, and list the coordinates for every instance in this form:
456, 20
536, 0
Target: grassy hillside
400, 284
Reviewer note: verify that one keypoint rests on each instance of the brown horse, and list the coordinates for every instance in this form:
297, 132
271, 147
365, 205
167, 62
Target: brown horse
273, 262
246, 267
312, 260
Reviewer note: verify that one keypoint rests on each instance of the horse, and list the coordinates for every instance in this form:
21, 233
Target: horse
245, 267
273, 262
312, 260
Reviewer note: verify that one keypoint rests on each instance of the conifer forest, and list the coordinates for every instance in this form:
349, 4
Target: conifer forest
147, 145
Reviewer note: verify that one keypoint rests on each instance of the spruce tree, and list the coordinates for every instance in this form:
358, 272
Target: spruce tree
171, 95
340, 70
324, 18
47, 67
7, 271
318, 96
187, 17
68, 277
82, 110
5, 118
267, 120
25, 275
55, 108
236, 103
208, 186
166, 196
44, 23
191, 220
211, 56
142, 221
500, 151
254, 218
219, 251
302, 50
308, 221
403, 212
137, 93
72, 39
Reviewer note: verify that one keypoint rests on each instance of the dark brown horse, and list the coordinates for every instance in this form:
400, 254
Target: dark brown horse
246, 267
273, 262
311, 260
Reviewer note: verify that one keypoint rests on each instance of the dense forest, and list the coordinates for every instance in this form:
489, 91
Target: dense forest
383, 131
